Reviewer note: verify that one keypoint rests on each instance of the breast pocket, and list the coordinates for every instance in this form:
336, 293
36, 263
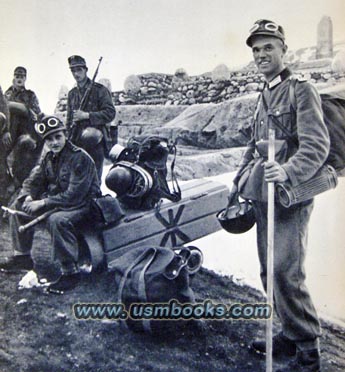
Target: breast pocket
282, 119
64, 177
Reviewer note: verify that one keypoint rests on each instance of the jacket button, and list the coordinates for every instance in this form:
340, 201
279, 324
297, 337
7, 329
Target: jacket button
277, 112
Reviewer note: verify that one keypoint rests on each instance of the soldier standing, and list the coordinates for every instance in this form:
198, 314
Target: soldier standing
90, 110
296, 161
26, 144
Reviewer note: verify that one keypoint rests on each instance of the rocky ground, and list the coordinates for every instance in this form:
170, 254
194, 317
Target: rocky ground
39, 332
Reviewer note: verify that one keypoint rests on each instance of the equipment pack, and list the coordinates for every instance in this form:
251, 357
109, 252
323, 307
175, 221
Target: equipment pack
143, 168
333, 107
147, 277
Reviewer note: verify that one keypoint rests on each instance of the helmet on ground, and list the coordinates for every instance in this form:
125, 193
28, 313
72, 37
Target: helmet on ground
237, 217
119, 179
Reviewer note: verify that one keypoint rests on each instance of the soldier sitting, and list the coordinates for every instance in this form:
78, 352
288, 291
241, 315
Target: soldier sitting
65, 181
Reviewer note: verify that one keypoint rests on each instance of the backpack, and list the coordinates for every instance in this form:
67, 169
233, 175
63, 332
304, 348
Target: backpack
147, 276
333, 107
146, 157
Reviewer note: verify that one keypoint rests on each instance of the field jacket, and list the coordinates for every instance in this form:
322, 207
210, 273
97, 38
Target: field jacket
20, 124
301, 158
99, 105
66, 180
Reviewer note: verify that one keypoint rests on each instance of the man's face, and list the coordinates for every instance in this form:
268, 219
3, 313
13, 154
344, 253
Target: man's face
19, 80
56, 141
268, 53
79, 74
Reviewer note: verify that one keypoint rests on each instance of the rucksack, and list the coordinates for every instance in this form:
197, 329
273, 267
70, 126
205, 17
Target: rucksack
146, 157
149, 278
333, 107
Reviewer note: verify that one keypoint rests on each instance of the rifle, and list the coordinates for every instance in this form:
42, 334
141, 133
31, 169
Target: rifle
75, 131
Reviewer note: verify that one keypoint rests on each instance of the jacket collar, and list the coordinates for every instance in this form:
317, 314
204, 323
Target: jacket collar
285, 74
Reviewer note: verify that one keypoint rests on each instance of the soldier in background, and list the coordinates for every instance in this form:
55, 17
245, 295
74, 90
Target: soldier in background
5, 144
26, 145
90, 110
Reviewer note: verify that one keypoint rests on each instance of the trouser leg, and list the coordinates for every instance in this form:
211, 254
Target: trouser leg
62, 226
293, 304
21, 242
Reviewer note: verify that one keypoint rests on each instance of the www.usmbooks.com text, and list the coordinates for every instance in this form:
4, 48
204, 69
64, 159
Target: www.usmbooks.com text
172, 310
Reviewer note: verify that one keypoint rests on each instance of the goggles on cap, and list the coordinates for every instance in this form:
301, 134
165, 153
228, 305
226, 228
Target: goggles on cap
266, 28
270, 26
42, 127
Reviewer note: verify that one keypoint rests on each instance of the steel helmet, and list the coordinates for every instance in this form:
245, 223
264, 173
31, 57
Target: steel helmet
90, 137
238, 217
116, 152
119, 179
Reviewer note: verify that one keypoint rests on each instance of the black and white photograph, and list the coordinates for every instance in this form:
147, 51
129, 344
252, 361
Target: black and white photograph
172, 192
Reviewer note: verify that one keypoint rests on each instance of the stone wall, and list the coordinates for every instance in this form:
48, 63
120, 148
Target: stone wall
161, 89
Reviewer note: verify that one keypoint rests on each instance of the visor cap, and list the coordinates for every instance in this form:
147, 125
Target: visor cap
266, 28
76, 61
20, 70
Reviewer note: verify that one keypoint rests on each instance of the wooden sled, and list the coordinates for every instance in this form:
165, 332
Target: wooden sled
170, 225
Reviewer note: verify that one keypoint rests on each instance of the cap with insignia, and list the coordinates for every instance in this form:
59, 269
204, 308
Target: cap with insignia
76, 61
20, 70
267, 28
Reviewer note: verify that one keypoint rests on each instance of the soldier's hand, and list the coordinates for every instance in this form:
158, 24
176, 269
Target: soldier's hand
233, 193
274, 172
79, 115
33, 206
7, 140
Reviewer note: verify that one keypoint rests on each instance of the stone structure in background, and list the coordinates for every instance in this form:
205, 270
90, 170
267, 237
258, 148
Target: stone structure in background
61, 106
338, 63
106, 83
220, 73
324, 47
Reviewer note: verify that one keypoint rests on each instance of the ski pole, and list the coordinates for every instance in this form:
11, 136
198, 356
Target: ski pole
36, 220
270, 252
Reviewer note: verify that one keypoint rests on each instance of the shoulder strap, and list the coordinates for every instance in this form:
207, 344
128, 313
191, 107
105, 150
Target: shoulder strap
292, 95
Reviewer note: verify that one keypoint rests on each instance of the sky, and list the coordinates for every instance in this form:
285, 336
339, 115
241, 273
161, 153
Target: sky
142, 36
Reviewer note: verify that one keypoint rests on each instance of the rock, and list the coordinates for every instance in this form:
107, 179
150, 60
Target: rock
190, 94
338, 63
152, 84
252, 87
132, 84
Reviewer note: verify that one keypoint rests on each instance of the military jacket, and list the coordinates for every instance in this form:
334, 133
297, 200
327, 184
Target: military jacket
26, 96
99, 105
66, 180
19, 124
302, 158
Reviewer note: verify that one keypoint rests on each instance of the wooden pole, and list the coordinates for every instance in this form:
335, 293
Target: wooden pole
270, 253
